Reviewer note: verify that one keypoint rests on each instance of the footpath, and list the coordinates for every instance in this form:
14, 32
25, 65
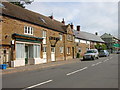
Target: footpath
10, 70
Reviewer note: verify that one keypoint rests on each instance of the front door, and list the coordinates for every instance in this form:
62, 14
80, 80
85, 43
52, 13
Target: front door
44, 54
26, 54
52, 53
73, 51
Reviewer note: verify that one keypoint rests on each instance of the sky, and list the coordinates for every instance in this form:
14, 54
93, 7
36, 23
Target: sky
101, 17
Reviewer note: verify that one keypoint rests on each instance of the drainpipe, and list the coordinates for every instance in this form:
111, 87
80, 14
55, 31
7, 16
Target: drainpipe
64, 48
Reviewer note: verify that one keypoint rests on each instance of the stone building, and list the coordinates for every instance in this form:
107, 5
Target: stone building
31, 38
111, 42
85, 41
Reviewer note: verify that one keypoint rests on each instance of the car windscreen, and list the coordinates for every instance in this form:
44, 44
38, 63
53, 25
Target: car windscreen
101, 51
90, 51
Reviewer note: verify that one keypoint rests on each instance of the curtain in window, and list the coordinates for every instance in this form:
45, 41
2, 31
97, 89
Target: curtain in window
36, 51
31, 51
20, 50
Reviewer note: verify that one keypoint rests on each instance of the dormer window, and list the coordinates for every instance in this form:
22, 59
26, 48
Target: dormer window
43, 20
28, 30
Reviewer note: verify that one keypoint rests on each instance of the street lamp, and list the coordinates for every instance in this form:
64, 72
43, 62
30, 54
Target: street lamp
53, 40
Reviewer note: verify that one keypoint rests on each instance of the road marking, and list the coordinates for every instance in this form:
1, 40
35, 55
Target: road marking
93, 64
76, 71
106, 60
98, 63
38, 84
111, 58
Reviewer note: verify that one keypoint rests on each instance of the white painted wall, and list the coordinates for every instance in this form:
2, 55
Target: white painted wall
17, 63
82, 41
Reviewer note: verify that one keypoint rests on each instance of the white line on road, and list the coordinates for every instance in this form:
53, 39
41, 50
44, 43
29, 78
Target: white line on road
38, 84
98, 63
111, 58
93, 64
77, 71
106, 60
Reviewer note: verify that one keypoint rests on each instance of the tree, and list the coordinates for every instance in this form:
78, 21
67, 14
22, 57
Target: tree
21, 3
101, 47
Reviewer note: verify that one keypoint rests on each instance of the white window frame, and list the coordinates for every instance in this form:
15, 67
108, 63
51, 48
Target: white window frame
69, 37
61, 49
68, 50
61, 37
28, 28
44, 35
44, 49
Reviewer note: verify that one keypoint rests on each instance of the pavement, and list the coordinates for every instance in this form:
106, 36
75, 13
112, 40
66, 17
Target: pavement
99, 73
10, 70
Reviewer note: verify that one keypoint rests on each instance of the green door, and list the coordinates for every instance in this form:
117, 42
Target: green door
26, 54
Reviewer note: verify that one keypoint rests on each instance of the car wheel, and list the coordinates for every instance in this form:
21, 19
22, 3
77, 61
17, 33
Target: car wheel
83, 59
93, 58
97, 57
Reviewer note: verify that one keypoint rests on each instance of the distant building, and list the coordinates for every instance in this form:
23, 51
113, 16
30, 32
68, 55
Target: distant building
111, 42
85, 40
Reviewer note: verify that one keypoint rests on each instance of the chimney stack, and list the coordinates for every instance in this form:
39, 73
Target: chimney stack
78, 28
71, 25
63, 21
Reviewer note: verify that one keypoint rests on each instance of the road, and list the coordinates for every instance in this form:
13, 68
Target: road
100, 73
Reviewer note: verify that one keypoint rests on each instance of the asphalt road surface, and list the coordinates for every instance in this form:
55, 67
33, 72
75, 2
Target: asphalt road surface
100, 73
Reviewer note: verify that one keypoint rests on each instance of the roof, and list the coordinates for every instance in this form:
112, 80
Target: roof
87, 36
106, 35
17, 12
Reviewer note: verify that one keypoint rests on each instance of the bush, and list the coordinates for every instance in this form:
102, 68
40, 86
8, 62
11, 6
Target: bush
78, 55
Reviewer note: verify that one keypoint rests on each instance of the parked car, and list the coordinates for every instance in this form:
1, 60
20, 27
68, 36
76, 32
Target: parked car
91, 54
103, 53
118, 52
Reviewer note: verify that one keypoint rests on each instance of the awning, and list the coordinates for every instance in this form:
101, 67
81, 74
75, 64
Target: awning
26, 38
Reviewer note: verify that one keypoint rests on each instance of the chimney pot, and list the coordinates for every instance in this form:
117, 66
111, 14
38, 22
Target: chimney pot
78, 28
71, 26
51, 16
96, 33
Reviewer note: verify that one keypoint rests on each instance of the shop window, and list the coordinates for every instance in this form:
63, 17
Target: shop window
28, 30
36, 51
20, 49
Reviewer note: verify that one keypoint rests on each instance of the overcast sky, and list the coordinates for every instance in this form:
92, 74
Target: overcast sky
93, 17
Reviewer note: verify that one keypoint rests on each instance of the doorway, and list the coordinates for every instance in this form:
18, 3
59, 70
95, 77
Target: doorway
44, 54
26, 54
52, 53
73, 52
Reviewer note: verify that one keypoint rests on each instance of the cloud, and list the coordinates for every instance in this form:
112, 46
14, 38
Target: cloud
93, 17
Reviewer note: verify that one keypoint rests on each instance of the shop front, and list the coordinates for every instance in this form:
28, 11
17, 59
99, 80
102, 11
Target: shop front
27, 50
